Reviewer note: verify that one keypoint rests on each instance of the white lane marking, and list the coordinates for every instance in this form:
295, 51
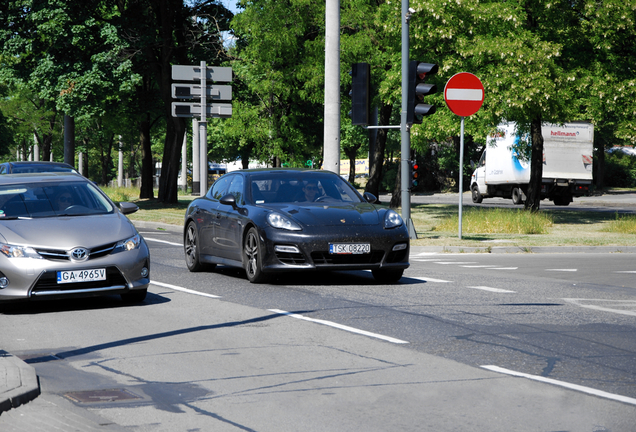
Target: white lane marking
622, 303
562, 270
453, 262
427, 279
485, 288
425, 259
502, 268
163, 241
185, 290
479, 266
567, 385
339, 326
626, 271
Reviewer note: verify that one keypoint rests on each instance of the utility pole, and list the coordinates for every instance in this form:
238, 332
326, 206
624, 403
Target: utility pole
332, 87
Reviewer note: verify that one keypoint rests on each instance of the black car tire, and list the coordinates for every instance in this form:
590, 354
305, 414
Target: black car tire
517, 196
253, 257
191, 249
387, 276
134, 296
477, 198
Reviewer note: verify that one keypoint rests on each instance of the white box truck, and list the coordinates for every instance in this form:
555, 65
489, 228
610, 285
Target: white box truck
567, 164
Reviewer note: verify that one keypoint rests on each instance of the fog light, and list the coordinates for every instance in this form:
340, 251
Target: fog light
399, 247
144, 272
286, 249
4, 282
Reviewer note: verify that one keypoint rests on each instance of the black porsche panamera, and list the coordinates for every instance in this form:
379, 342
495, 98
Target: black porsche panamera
280, 220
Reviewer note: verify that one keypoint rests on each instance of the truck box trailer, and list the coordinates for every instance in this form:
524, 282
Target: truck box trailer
567, 164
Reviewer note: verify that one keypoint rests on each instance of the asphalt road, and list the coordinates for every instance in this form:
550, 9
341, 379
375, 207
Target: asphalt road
337, 351
613, 201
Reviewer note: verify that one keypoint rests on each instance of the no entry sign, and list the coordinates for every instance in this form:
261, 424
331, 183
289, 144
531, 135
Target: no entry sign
464, 94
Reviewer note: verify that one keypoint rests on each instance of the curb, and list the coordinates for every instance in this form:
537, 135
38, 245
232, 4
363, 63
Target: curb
22, 384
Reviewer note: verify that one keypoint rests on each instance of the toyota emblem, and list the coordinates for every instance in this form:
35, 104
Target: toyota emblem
79, 254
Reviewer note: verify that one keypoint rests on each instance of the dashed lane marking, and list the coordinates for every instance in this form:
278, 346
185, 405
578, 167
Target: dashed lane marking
562, 270
621, 307
567, 385
339, 326
185, 290
496, 290
163, 241
428, 279
502, 268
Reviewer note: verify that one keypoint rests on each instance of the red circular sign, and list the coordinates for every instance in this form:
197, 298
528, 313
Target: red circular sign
464, 94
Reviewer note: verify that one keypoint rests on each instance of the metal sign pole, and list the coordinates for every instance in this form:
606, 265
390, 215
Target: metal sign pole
203, 135
461, 176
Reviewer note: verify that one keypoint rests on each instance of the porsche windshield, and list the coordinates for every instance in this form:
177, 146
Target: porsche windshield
52, 199
289, 187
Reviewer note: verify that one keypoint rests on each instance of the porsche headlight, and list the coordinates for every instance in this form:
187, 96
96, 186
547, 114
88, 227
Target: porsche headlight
12, 251
277, 220
129, 244
392, 219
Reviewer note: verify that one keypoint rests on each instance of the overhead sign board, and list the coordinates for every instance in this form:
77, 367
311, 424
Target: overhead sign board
464, 94
193, 73
191, 91
190, 109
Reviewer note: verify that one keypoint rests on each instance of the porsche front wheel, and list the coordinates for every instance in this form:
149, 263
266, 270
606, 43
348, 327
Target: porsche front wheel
253, 257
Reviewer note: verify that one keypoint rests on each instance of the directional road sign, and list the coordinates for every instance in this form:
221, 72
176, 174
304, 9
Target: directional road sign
191, 91
464, 94
193, 73
191, 109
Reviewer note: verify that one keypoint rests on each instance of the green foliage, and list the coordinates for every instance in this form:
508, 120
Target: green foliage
477, 220
620, 170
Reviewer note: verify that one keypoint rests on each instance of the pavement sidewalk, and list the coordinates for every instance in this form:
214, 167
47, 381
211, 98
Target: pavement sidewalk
19, 383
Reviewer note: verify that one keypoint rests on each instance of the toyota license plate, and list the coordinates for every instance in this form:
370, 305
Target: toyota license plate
75, 276
349, 248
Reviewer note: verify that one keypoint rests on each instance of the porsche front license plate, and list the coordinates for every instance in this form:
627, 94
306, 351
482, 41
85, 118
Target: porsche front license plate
349, 248
81, 276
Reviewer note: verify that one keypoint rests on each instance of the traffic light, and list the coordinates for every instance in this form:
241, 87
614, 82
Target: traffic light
360, 93
413, 174
416, 109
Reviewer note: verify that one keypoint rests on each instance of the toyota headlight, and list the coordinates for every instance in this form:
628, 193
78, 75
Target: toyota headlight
277, 220
13, 251
129, 244
392, 219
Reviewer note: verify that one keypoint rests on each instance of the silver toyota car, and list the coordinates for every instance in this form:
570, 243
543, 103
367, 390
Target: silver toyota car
61, 236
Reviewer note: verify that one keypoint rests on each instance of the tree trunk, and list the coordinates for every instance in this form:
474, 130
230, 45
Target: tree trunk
147, 180
396, 196
375, 169
533, 199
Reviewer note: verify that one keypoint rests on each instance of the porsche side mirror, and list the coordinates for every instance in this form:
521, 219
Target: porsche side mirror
229, 199
370, 197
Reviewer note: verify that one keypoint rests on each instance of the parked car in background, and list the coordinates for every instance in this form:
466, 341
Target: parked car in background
61, 236
21, 167
269, 221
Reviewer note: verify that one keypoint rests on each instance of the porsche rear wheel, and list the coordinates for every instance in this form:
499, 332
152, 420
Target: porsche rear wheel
253, 257
191, 249
387, 276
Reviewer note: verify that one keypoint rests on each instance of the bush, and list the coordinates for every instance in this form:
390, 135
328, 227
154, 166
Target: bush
620, 170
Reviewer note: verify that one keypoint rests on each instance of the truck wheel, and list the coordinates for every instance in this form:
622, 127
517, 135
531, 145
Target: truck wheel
517, 196
477, 197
